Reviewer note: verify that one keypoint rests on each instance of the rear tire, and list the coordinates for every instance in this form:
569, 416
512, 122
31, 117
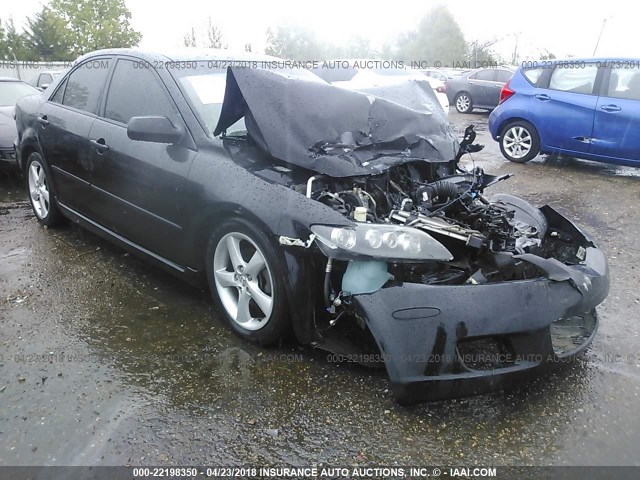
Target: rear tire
41, 196
463, 103
519, 142
244, 278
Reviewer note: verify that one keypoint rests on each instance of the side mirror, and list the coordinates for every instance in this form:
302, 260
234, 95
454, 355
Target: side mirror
154, 129
44, 86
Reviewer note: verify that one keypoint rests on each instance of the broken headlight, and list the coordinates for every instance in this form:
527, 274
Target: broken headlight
389, 242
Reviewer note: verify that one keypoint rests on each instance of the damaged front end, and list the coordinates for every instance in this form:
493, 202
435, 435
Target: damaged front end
462, 293
455, 291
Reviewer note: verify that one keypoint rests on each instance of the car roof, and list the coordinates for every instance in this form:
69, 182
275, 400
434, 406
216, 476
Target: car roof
182, 54
10, 79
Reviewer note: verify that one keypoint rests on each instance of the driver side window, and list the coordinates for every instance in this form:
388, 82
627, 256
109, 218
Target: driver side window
135, 90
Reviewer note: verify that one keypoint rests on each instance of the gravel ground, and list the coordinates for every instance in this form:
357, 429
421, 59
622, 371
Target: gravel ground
107, 361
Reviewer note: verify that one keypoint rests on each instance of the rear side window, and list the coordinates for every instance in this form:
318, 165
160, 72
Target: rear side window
136, 91
575, 80
488, 75
533, 75
85, 85
624, 83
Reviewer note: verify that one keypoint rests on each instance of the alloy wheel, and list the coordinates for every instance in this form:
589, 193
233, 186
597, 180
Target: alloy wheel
38, 190
517, 142
243, 280
463, 103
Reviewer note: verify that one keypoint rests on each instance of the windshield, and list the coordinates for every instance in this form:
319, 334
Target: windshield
204, 88
11, 92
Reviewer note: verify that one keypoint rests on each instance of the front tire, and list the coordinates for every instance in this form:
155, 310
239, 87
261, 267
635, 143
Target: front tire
463, 103
519, 142
41, 195
244, 278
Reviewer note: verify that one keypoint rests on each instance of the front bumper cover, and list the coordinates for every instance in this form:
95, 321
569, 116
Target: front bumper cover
422, 330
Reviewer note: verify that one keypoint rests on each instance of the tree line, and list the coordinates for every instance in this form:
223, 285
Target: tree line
437, 38
67, 29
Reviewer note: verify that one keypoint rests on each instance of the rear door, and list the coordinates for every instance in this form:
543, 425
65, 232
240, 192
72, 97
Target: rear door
567, 107
616, 124
139, 185
65, 120
482, 87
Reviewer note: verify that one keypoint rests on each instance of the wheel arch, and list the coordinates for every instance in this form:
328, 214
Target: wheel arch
506, 122
27, 146
295, 264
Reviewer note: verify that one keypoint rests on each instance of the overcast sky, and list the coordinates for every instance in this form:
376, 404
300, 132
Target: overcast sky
566, 28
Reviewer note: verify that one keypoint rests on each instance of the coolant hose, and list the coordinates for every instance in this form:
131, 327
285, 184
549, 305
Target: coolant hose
327, 277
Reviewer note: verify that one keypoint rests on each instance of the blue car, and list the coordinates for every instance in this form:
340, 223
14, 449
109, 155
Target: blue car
587, 108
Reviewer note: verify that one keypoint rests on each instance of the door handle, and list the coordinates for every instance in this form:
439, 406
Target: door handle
43, 120
99, 145
542, 96
610, 108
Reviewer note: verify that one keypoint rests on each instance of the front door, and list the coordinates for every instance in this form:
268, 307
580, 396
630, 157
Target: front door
139, 184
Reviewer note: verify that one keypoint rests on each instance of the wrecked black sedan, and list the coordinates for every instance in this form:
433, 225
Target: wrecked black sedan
341, 216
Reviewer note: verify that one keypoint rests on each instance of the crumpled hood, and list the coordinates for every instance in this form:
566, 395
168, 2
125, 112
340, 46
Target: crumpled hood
298, 118
8, 130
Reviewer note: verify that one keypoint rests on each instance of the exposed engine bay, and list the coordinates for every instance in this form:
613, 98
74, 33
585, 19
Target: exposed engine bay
484, 235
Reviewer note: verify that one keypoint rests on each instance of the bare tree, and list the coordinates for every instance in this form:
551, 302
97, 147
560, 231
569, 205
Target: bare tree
190, 39
214, 35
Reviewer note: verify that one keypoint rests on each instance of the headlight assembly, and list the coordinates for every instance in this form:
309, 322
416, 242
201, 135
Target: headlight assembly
388, 242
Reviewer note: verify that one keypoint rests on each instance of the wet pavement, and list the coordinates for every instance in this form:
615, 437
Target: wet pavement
105, 360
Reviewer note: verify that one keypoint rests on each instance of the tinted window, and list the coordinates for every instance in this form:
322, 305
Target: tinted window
624, 83
503, 76
136, 92
85, 85
57, 97
484, 75
576, 80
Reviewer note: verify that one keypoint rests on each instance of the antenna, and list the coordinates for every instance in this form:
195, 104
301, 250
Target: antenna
604, 22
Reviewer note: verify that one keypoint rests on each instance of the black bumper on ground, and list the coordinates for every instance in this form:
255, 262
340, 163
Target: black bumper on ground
450, 341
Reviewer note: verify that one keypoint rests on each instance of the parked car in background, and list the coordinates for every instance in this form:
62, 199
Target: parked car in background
11, 90
585, 108
478, 88
443, 74
44, 79
356, 77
